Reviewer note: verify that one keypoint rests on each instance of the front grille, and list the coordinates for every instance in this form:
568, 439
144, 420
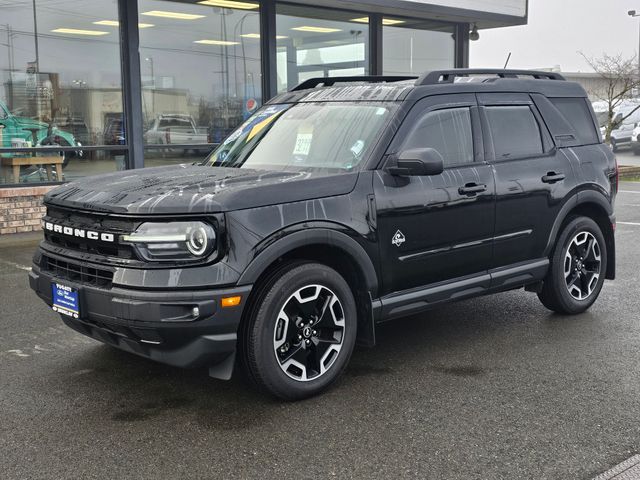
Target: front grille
101, 223
77, 272
95, 248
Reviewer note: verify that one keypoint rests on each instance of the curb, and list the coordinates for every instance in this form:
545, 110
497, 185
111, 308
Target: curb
21, 239
628, 171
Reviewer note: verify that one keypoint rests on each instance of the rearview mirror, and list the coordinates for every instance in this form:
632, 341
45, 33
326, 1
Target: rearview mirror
418, 161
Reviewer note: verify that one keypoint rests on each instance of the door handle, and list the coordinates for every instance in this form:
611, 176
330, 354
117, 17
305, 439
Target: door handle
471, 189
553, 177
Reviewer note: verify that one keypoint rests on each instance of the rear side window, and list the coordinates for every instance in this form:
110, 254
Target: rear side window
515, 131
448, 131
576, 112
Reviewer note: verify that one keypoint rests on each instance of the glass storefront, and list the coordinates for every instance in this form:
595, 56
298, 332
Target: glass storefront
60, 84
200, 74
313, 42
412, 47
62, 71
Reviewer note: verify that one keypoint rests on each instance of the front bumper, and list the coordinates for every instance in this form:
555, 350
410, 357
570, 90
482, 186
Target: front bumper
158, 325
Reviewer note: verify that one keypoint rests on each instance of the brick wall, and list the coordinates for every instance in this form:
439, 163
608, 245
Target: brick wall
21, 209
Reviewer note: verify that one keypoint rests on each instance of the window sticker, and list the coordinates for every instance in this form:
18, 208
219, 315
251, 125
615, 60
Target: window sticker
357, 148
258, 127
303, 144
262, 118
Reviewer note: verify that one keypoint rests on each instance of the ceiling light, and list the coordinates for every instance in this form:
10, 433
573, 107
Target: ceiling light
216, 42
257, 35
385, 21
75, 31
177, 15
115, 23
230, 4
108, 23
307, 28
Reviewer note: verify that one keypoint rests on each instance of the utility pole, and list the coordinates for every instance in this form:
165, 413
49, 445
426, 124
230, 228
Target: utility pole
35, 36
633, 13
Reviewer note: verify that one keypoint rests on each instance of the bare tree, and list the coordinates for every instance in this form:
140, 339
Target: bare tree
620, 75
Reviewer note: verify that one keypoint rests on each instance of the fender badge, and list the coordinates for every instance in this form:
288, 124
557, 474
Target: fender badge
398, 239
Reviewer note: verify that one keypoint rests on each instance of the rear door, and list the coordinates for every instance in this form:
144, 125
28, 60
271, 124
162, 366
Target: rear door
533, 178
440, 227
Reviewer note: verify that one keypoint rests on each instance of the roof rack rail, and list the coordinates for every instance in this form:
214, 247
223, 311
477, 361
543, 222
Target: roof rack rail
329, 81
448, 76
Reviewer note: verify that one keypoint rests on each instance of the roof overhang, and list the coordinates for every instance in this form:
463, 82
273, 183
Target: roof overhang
484, 13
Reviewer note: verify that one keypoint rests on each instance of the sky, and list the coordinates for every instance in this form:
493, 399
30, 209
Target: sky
557, 31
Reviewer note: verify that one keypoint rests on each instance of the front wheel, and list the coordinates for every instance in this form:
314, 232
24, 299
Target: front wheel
578, 268
301, 331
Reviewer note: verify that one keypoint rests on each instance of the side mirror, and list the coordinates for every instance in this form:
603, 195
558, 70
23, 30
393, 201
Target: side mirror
418, 161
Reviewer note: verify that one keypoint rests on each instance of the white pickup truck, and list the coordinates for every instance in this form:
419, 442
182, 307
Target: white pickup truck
176, 128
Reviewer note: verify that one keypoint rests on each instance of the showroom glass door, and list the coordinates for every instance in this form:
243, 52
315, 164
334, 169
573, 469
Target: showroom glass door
200, 73
314, 42
414, 46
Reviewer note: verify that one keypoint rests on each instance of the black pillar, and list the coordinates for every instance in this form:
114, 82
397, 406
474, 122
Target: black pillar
462, 45
131, 87
268, 49
375, 44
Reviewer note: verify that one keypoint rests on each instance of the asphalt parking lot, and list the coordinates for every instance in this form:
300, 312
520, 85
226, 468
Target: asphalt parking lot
490, 388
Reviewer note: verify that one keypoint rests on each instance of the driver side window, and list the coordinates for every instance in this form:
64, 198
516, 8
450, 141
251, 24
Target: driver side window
448, 131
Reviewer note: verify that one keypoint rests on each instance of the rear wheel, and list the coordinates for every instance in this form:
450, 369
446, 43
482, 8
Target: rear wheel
578, 268
301, 331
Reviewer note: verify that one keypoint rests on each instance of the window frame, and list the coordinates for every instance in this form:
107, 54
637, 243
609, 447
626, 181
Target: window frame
422, 108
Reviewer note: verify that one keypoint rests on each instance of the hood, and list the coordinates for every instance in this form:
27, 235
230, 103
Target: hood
183, 189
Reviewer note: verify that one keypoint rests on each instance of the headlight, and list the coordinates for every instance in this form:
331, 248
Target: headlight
174, 241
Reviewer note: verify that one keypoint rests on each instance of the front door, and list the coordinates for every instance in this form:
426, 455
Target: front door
436, 228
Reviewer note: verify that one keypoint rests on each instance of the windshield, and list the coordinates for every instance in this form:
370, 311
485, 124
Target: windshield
305, 136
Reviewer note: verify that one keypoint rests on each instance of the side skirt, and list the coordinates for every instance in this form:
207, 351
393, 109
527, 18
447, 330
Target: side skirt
410, 302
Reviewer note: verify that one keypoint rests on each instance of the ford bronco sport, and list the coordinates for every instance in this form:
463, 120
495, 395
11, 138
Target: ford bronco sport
341, 204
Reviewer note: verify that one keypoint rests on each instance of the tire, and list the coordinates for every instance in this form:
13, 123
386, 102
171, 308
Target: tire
614, 145
578, 268
289, 354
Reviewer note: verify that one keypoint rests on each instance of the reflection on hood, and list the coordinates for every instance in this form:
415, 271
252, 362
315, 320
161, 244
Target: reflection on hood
196, 189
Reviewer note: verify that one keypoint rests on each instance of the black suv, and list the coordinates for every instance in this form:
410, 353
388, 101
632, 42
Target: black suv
339, 205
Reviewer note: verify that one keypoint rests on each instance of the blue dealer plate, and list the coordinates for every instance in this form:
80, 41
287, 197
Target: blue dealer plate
65, 300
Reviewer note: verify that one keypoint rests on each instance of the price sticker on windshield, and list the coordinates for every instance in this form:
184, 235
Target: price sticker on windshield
303, 144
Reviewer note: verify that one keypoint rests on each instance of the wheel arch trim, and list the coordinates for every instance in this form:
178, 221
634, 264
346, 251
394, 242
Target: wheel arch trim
586, 198
302, 238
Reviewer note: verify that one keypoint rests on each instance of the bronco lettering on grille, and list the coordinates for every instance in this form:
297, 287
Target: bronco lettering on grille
78, 232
